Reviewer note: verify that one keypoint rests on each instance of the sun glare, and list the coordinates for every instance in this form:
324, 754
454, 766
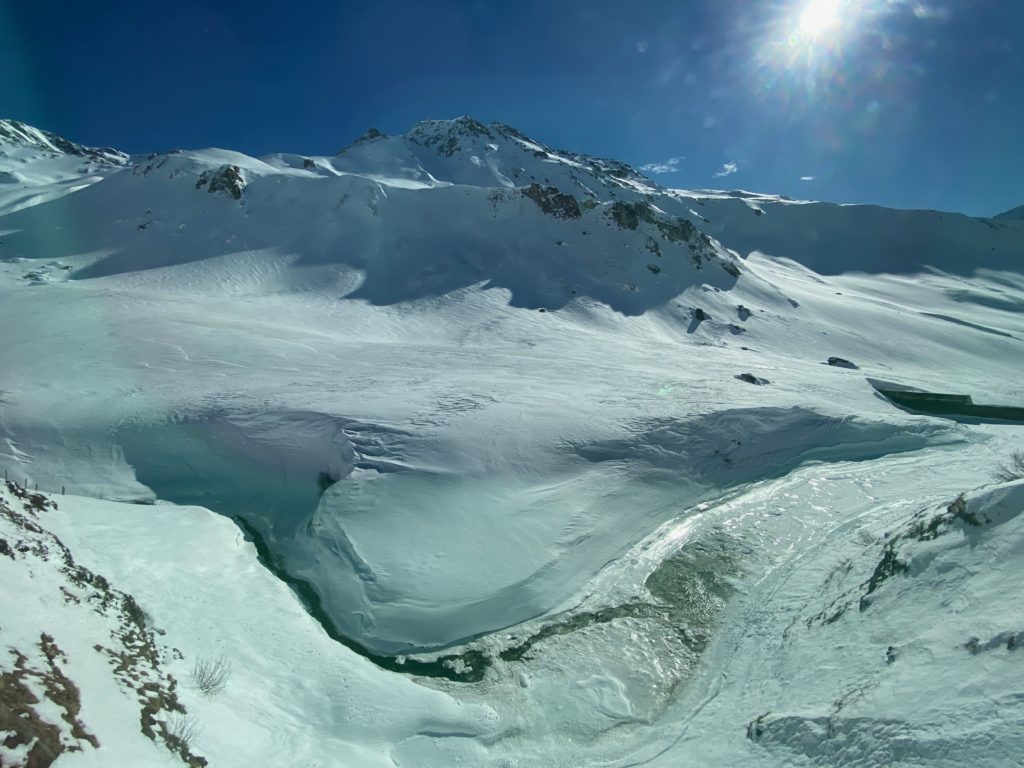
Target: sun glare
813, 47
819, 17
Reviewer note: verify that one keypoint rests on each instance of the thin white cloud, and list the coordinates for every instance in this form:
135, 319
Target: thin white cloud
806, 178
727, 170
669, 166
922, 9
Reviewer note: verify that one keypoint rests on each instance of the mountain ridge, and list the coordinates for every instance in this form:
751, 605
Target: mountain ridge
23, 134
459, 135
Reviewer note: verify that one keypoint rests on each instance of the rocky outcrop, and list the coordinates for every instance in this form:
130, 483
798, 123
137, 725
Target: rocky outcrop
370, 135
226, 180
40, 704
675, 230
553, 202
751, 379
445, 135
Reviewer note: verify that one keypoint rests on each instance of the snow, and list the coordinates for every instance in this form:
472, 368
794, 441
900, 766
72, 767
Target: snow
627, 544
36, 166
835, 239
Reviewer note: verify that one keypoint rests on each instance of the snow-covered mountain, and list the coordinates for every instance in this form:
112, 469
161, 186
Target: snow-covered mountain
528, 459
37, 166
1014, 214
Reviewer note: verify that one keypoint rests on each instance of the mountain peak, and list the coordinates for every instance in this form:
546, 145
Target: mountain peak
449, 136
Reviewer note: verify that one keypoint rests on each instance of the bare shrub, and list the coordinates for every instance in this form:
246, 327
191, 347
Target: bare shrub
1012, 469
180, 731
211, 675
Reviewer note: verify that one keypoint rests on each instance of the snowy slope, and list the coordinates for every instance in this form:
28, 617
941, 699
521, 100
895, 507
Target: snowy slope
834, 239
822, 601
1014, 214
37, 166
197, 596
477, 402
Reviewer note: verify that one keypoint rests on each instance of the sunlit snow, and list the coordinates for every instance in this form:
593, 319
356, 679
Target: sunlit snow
520, 462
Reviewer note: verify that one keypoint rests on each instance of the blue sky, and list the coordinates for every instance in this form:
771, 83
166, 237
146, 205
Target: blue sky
909, 103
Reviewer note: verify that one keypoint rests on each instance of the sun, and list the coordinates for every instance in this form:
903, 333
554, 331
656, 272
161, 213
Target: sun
819, 17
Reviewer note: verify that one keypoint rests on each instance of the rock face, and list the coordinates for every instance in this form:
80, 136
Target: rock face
672, 229
447, 141
752, 379
370, 135
226, 180
553, 202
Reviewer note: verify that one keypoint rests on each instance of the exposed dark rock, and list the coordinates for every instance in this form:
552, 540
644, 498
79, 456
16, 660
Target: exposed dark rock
444, 135
227, 180
756, 727
700, 315
371, 134
655, 269
626, 215
133, 653
752, 379
508, 130
671, 228
553, 202
743, 312
842, 362
890, 565
730, 267
21, 723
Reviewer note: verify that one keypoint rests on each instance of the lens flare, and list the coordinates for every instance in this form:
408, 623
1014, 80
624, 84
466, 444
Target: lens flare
814, 46
820, 17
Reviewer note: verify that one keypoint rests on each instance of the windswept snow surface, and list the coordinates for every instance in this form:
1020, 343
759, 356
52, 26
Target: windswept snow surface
475, 399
